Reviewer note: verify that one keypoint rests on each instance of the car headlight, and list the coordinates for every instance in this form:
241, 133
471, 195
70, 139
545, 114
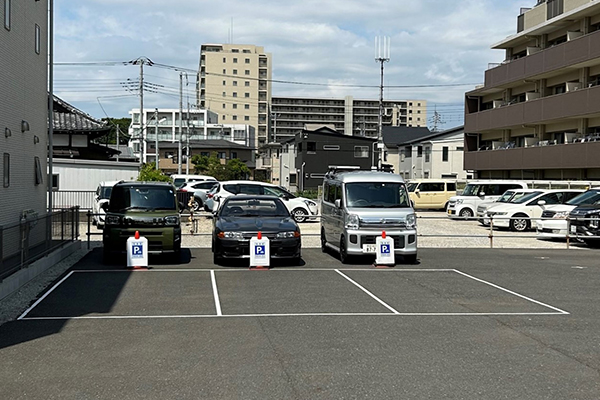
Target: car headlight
231, 235
288, 235
411, 221
310, 203
112, 219
561, 215
172, 220
459, 201
495, 213
352, 221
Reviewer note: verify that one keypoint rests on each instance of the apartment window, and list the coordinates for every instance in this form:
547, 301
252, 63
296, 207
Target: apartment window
407, 152
234, 117
247, 61
235, 60
234, 106
247, 83
234, 154
234, 94
246, 118
445, 153
222, 155
205, 154
427, 153
247, 95
235, 50
224, 83
6, 170
224, 71
562, 88
7, 14
361, 151
224, 59
234, 83
224, 94
245, 51
235, 71
247, 72
247, 106
419, 151
224, 106
311, 147
55, 182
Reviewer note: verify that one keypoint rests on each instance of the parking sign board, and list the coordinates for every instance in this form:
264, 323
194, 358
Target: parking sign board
384, 251
260, 254
137, 251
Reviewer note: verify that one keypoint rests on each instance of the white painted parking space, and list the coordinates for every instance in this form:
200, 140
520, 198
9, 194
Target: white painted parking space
237, 293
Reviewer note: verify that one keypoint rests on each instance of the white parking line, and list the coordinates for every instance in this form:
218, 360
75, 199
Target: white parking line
215, 292
511, 292
367, 292
44, 296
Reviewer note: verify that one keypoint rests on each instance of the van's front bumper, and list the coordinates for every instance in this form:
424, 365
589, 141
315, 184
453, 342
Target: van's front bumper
363, 241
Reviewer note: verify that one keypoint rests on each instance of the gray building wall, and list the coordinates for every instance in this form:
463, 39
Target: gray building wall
23, 79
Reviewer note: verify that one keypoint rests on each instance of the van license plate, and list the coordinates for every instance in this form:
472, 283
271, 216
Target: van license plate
573, 229
369, 248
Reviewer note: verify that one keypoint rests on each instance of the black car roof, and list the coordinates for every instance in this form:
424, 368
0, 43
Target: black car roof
252, 196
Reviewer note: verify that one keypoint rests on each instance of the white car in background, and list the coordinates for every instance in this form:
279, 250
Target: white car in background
196, 190
100, 198
510, 196
521, 215
301, 208
553, 223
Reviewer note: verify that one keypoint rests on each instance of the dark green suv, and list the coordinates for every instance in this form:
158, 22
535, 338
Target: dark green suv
148, 207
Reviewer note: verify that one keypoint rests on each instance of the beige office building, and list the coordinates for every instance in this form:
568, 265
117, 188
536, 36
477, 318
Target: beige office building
235, 82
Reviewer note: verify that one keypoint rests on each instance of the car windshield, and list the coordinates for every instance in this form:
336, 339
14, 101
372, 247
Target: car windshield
253, 208
376, 195
105, 192
590, 197
526, 197
472, 190
505, 198
149, 197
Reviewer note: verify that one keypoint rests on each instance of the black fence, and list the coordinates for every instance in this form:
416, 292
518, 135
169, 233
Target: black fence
32, 238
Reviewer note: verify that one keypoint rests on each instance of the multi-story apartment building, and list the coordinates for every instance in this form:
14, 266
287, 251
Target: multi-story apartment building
235, 82
353, 117
537, 116
196, 127
23, 110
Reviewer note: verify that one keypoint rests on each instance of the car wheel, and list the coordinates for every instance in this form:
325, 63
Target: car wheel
299, 215
216, 254
343, 252
410, 258
196, 205
323, 241
107, 257
519, 224
466, 213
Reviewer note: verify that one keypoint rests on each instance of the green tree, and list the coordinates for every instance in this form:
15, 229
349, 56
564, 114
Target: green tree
233, 169
150, 173
122, 124
236, 169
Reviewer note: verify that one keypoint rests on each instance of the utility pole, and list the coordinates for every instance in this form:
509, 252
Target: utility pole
382, 49
141, 61
156, 138
179, 153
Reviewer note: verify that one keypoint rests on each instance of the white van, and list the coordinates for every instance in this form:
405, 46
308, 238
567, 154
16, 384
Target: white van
179, 180
358, 205
476, 192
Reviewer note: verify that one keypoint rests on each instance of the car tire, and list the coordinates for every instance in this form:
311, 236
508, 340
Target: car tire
217, 259
344, 257
592, 243
107, 257
197, 205
466, 213
299, 215
323, 241
520, 223
410, 258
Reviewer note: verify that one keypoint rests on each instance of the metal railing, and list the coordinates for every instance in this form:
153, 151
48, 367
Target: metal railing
32, 238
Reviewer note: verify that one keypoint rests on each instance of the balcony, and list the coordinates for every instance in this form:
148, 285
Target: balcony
542, 63
583, 155
582, 103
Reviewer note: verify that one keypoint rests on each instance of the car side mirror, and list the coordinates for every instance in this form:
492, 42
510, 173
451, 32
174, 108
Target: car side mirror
417, 191
542, 203
338, 203
481, 194
104, 206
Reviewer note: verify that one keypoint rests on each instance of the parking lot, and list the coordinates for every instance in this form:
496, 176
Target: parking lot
462, 323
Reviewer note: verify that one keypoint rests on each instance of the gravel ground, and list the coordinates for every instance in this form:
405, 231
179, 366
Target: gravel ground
435, 230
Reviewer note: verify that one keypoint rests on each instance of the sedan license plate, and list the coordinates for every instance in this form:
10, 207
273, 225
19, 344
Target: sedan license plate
573, 229
369, 248
450, 212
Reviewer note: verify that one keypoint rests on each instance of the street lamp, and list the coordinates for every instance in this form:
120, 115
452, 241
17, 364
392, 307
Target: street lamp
157, 121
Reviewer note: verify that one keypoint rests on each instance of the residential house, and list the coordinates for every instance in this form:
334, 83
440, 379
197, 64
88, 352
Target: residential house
537, 115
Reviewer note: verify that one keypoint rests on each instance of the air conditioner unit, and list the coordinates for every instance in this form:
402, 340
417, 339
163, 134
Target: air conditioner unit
573, 35
531, 96
532, 50
571, 86
497, 103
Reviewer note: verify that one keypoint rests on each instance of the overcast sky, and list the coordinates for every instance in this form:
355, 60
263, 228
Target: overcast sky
326, 48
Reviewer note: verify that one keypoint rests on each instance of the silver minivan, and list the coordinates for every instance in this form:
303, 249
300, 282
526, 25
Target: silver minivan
358, 205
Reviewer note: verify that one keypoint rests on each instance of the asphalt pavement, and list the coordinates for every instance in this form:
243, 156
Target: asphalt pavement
462, 323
